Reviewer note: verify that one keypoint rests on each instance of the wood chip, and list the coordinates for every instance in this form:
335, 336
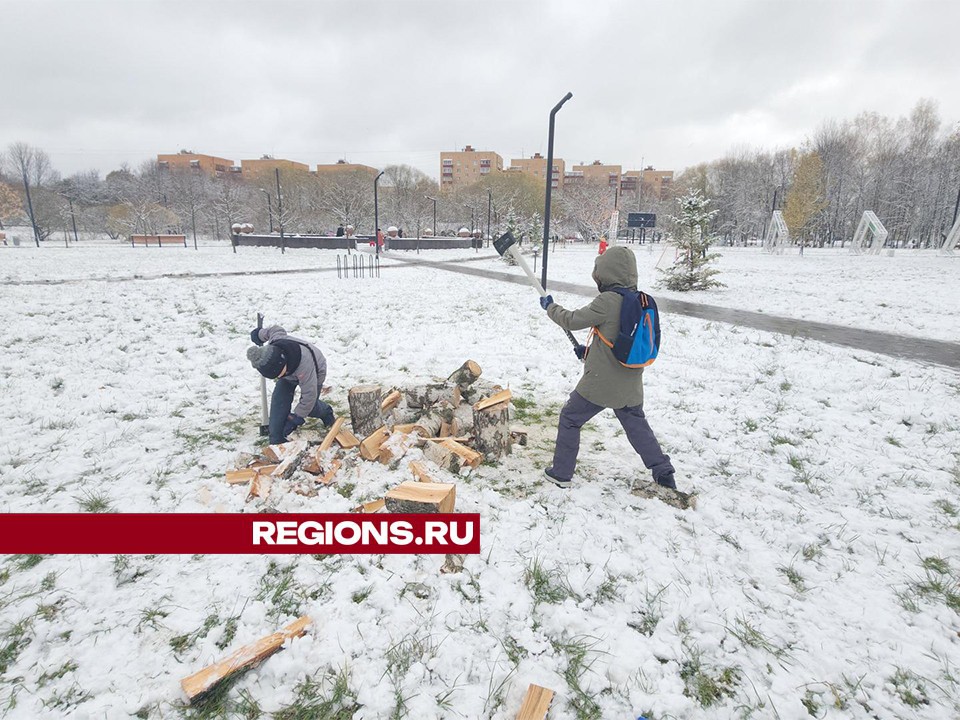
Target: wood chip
332, 434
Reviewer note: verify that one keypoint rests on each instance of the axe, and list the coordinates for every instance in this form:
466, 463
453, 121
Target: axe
506, 244
264, 414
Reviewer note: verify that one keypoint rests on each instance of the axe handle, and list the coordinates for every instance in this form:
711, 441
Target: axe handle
522, 262
264, 413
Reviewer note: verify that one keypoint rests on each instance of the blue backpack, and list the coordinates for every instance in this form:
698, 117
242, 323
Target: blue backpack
638, 340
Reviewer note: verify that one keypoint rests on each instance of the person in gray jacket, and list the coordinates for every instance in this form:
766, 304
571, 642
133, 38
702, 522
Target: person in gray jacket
293, 363
605, 382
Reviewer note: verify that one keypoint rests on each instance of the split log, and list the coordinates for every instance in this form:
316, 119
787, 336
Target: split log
405, 428
311, 464
347, 440
290, 463
428, 425
518, 435
491, 429
365, 415
260, 487
239, 477
674, 498
278, 453
479, 390
414, 497
328, 476
451, 455
535, 703
390, 401
331, 434
248, 656
395, 447
420, 473
370, 507
495, 399
370, 447
445, 429
465, 375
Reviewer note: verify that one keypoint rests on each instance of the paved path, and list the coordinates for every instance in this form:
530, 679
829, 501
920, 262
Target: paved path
901, 346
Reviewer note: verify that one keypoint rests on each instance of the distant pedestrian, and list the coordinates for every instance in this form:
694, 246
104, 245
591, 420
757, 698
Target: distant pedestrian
340, 230
603, 246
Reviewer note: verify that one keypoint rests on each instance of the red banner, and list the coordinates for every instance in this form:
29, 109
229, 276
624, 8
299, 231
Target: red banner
229, 534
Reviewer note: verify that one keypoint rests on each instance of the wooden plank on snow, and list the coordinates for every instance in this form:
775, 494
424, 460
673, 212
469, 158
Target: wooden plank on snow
249, 655
536, 703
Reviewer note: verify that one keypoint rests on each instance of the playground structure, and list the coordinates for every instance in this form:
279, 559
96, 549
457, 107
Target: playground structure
777, 235
871, 224
953, 237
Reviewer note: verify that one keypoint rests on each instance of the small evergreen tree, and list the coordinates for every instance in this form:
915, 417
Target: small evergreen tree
691, 270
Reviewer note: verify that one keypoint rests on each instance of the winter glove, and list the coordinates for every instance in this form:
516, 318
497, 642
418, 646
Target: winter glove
293, 422
255, 337
580, 351
546, 301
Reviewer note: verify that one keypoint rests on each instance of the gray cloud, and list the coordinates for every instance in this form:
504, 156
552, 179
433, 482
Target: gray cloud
98, 83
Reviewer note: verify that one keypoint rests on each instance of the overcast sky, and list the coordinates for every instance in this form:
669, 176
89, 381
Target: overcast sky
667, 83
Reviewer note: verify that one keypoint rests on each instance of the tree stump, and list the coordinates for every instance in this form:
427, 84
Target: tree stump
491, 430
466, 374
365, 402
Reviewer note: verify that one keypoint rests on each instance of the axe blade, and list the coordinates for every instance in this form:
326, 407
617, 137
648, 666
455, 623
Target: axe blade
504, 242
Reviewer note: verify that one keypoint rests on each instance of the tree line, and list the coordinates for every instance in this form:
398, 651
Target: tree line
906, 170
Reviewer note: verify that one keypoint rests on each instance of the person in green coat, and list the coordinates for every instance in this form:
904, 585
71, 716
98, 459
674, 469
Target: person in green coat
605, 382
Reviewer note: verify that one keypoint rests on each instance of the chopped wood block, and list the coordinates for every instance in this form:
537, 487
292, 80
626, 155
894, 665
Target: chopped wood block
415, 497
246, 657
495, 399
519, 435
370, 447
491, 427
347, 440
238, 477
428, 425
459, 439
311, 464
405, 428
332, 434
535, 703
260, 487
290, 463
470, 457
452, 564
420, 472
277, 453
328, 476
390, 401
466, 374
445, 429
370, 507
266, 469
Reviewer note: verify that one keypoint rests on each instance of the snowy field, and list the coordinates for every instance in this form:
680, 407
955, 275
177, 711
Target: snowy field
818, 577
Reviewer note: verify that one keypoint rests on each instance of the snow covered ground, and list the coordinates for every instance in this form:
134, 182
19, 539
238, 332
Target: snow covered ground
819, 575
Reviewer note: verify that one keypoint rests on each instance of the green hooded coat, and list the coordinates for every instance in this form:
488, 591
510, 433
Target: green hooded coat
605, 381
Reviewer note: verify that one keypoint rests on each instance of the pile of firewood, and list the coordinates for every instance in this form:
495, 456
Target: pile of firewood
458, 423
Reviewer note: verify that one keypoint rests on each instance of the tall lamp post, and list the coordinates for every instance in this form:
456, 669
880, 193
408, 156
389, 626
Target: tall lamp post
376, 214
269, 208
489, 208
549, 174
283, 250
434, 201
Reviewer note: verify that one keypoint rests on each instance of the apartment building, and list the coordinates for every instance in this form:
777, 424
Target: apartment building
537, 166
467, 166
342, 166
597, 172
187, 160
267, 164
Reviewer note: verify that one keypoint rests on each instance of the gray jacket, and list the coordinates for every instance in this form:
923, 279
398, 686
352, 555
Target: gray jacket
605, 381
309, 375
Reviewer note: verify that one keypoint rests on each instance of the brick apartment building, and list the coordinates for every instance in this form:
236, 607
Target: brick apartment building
537, 166
467, 167
186, 160
342, 166
267, 164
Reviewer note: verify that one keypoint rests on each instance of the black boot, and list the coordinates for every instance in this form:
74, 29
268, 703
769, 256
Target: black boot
667, 481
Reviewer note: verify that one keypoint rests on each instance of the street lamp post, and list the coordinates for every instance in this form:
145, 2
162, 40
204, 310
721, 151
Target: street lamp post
434, 201
546, 209
376, 214
489, 208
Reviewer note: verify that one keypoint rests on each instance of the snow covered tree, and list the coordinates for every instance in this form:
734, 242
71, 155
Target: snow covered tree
691, 235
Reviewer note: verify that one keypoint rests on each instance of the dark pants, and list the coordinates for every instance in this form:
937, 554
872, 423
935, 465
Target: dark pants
579, 411
280, 404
